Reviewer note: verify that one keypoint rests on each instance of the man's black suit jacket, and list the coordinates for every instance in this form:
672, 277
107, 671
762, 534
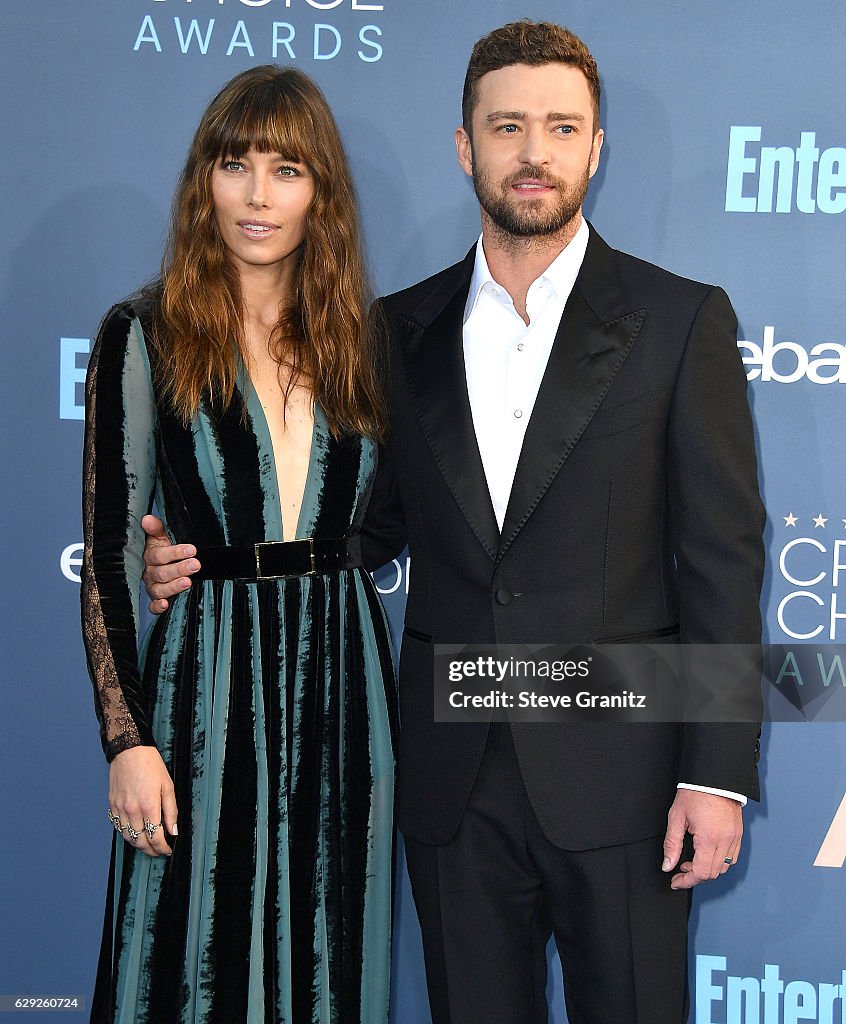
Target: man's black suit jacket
634, 513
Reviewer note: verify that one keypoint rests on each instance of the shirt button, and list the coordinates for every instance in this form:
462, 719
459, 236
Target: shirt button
518, 414
520, 347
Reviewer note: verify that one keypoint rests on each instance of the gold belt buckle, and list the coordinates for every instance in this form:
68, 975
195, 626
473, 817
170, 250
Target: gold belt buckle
257, 548
312, 559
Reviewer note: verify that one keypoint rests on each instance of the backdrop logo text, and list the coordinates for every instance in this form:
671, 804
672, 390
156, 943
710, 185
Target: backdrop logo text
812, 569
201, 30
785, 362
783, 178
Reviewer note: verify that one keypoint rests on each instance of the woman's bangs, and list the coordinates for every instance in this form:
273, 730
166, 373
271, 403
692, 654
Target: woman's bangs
264, 120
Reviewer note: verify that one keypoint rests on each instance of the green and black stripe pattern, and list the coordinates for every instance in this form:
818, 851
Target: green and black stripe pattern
272, 704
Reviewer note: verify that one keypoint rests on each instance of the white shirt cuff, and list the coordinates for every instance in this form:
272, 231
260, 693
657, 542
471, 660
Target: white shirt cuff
714, 792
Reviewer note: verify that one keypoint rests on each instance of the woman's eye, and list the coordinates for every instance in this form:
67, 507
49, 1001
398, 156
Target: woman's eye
231, 165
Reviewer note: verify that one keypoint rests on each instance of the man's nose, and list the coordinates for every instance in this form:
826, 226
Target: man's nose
536, 146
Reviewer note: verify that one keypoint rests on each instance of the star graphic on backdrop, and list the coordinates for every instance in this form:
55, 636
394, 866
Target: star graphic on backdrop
790, 519
820, 520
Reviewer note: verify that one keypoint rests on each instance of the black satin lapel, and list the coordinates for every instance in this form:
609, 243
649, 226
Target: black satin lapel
586, 356
438, 385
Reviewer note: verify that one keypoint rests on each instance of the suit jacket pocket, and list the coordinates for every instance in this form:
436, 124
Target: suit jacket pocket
416, 634
666, 635
624, 416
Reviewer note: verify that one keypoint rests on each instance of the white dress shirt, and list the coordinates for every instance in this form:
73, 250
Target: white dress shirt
504, 362
505, 358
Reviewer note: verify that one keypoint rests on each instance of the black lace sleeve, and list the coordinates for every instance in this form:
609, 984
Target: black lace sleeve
118, 486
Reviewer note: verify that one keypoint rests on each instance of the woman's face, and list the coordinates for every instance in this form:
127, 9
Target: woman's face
260, 204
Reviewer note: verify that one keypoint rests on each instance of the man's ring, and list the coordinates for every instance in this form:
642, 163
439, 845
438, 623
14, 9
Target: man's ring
115, 820
133, 835
150, 828
728, 860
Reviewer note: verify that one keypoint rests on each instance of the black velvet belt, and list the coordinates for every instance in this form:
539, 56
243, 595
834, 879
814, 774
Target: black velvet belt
278, 559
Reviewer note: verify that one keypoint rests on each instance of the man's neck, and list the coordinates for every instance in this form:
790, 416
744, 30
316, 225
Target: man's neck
515, 262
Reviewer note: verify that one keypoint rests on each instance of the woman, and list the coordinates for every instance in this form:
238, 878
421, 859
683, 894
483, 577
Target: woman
241, 393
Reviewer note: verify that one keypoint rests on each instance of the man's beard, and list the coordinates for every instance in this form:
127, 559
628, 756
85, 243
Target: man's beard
527, 218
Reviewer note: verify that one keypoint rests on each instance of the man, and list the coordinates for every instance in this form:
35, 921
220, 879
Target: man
571, 460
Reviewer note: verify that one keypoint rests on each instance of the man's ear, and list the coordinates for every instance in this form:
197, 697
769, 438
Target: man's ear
595, 149
464, 149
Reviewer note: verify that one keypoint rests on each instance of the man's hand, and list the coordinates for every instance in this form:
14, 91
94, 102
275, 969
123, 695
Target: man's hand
716, 824
167, 567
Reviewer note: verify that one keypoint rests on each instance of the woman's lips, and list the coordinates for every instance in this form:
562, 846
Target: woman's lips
257, 229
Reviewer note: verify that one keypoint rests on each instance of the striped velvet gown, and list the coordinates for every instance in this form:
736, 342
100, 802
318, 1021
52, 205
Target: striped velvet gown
272, 704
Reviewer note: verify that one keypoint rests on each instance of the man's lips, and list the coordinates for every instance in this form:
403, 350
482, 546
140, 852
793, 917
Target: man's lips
531, 186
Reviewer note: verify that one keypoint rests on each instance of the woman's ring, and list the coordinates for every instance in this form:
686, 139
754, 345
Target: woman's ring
150, 828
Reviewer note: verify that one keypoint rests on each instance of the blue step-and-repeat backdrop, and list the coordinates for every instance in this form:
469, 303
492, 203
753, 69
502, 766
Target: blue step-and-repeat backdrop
725, 160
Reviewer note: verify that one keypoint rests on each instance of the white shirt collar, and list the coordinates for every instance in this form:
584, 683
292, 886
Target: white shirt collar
560, 274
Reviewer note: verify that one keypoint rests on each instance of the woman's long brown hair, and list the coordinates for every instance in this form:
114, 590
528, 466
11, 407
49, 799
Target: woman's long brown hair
323, 339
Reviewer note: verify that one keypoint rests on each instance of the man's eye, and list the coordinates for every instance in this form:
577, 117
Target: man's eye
508, 129
565, 129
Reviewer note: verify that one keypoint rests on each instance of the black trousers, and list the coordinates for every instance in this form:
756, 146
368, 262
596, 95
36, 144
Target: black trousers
489, 900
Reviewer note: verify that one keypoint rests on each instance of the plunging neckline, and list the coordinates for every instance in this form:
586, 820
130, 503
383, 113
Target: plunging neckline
260, 420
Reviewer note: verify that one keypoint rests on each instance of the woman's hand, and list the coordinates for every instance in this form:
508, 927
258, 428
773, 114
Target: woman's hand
141, 796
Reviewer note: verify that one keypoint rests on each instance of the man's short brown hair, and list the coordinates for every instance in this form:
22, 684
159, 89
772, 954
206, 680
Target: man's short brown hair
527, 42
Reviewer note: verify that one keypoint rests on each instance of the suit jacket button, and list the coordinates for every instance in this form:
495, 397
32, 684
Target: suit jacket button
503, 596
